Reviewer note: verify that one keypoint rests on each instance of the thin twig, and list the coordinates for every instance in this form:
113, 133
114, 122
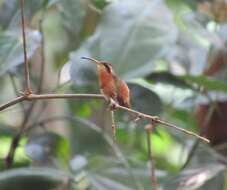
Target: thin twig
26, 67
16, 91
49, 96
64, 96
32, 97
113, 125
12, 102
154, 183
157, 120
43, 60
16, 140
202, 132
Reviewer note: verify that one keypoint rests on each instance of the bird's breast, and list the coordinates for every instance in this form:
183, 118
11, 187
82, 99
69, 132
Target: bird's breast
107, 83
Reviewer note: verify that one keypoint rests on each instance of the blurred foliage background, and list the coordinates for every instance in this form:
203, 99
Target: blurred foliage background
172, 53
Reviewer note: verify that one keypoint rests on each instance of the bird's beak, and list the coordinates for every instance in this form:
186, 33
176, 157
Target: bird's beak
93, 60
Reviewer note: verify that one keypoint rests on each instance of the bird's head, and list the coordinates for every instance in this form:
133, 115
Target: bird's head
106, 65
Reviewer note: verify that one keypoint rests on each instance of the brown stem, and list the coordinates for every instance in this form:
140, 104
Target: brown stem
113, 126
12, 78
26, 67
157, 120
64, 96
49, 96
154, 183
43, 60
12, 102
10, 157
32, 97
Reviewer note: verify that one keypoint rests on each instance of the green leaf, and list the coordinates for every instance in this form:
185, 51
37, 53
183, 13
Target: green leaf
132, 35
11, 48
206, 82
169, 94
100, 4
104, 172
145, 100
10, 12
104, 183
31, 178
168, 78
72, 13
20, 155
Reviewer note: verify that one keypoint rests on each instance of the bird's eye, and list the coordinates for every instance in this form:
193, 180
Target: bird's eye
108, 67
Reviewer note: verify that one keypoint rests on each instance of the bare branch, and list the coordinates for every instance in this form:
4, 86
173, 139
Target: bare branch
113, 125
63, 96
157, 120
49, 96
154, 183
99, 96
26, 68
12, 102
16, 91
43, 60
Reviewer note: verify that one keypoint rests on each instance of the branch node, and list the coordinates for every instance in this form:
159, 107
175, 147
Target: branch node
148, 127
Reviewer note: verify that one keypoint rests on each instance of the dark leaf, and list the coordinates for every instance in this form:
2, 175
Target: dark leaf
166, 77
145, 100
31, 178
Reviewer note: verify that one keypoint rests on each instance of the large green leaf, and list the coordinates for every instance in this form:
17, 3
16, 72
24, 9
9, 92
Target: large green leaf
196, 36
11, 48
107, 173
10, 12
145, 100
206, 82
72, 12
31, 178
132, 35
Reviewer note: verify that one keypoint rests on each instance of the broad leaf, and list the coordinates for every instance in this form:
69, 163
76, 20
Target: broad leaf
145, 100
72, 12
31, 178
11, 48
107, 173
206, 82
132, 35
10, 12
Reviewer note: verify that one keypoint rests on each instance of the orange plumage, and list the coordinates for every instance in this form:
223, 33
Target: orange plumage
123, 93
110, 85
107, 83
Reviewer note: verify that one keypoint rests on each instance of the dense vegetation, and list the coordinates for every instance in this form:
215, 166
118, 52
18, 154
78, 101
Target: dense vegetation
172, 53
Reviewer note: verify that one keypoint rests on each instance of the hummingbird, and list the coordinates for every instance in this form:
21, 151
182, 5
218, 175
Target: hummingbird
111, 86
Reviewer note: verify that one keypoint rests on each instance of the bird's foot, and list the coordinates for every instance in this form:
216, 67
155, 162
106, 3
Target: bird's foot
112, 105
